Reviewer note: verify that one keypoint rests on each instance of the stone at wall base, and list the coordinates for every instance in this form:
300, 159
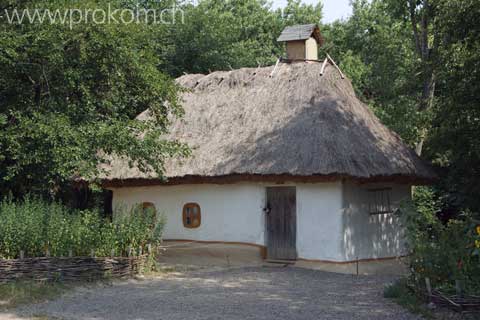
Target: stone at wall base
393, 266
211, 254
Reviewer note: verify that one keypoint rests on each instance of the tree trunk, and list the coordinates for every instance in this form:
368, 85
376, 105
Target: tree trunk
421, 36
426, 103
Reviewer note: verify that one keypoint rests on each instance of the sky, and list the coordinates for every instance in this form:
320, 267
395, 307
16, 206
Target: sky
332, 9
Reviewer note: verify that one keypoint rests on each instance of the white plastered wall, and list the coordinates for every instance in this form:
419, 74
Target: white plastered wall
333, 222
367, 236
234, 213
319, 212
230, 213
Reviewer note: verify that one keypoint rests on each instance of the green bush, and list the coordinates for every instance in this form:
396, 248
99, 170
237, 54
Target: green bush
35, 227
442, 252
401, 292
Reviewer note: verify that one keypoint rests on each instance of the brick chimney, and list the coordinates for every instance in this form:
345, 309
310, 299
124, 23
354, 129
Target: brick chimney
302, 41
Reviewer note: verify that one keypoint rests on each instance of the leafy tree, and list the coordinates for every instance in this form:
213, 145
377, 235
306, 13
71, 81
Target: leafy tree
68, 97
222, 35
421, 15
297, 12
374, 48
454, 142
230, 34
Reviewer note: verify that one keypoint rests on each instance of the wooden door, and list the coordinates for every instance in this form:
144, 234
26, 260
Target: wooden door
281, 223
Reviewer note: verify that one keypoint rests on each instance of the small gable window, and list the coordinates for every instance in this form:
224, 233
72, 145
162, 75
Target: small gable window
192, 216
379, 201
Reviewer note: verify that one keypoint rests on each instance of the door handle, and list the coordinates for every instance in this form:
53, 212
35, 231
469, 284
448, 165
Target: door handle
267, 209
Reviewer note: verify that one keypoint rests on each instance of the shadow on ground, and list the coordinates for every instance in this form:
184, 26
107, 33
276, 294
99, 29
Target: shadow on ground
243, 293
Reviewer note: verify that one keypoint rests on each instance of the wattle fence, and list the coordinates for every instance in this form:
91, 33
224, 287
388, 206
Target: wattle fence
70, 268
459, 302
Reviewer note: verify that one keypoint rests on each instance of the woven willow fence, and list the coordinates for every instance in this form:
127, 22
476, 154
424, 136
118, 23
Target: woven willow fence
459, 302
70, 269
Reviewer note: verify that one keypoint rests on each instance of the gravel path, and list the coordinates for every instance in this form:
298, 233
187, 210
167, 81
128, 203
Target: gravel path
245, 293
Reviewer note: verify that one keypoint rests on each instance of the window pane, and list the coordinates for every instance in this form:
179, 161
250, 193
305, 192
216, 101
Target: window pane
379, 201
191, 215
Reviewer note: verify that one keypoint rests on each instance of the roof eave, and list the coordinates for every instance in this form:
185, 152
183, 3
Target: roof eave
277, 179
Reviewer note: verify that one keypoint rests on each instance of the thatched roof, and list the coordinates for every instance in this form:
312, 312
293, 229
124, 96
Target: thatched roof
298, 123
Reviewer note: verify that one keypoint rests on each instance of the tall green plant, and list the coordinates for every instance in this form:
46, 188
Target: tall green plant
441, 252
37, 228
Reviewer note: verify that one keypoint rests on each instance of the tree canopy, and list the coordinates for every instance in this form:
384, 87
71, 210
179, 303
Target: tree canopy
69, 96
416, 64
230, 34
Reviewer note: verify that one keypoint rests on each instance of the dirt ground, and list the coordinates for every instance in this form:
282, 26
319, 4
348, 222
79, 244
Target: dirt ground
239, 293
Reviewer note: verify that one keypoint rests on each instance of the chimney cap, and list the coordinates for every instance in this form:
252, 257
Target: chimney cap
300, 32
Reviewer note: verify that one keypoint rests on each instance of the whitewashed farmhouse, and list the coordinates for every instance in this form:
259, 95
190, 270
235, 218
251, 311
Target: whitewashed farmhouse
285, 159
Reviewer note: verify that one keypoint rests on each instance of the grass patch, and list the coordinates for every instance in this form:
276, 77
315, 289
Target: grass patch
406, 297
22, 292
160, 270
157, 269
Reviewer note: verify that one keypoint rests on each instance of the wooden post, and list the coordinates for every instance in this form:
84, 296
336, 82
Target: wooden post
92, 253
429, 287
275, 68
335, 65
149, 248
70, 253
357, 265
47, 253
140, 251
228, 260
458, 288
22, 254
129, 252
323, 66
112, 253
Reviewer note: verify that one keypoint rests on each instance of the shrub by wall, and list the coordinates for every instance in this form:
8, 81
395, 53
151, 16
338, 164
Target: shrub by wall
38, 228
442, 252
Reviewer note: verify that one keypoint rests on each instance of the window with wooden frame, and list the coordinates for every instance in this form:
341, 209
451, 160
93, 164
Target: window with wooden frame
379, 201
147, 205
192, 215
146, 209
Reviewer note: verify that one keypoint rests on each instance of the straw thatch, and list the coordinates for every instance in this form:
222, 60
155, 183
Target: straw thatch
296, 123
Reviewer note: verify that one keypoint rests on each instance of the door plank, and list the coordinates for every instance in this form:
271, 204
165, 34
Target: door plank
281, 223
